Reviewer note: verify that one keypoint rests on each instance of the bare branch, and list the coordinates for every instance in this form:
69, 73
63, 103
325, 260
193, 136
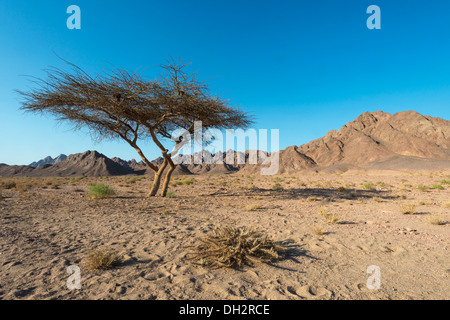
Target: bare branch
121, 104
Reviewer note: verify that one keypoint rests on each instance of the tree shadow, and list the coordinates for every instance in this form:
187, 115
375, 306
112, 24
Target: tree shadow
421, 213
312, 194
127, 197
347, 222
134, 261
292, 252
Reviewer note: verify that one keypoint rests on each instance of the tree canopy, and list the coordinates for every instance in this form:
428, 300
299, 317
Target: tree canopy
120, 104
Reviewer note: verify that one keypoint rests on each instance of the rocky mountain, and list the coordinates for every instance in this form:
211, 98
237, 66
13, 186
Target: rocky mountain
379, 137
48, 160
131, 165
89, 164
374, 140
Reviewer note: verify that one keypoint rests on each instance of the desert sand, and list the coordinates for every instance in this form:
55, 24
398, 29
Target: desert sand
47, 225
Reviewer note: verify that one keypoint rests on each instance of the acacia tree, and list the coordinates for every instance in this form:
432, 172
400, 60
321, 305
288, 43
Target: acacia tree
120, 104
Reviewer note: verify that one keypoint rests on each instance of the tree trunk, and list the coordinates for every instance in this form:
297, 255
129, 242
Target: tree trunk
157, 180
168, 176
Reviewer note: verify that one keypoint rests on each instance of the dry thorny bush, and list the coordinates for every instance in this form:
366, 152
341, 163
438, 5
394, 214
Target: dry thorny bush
102, 259
232, 247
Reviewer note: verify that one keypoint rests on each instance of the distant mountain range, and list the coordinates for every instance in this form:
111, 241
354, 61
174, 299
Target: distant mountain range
374, 140
48, 160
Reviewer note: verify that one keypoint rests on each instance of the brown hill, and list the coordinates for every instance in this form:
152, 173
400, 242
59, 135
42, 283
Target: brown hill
379, 136
10, 171
88, 164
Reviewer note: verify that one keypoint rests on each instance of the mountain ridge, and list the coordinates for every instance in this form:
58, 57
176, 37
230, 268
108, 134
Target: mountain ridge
374, 140
48, 160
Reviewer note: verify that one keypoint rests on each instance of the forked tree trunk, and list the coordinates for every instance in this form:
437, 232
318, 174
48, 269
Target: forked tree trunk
168, 176
157, 180
167, 160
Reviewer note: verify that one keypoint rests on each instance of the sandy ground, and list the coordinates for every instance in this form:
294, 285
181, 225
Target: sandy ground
53, 225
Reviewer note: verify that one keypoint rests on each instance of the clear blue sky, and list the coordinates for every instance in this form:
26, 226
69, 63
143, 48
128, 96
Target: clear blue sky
304, 67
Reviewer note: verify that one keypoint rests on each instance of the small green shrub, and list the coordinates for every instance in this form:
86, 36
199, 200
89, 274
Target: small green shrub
100, 191
422, 188
277, 187
368, 186
187, 182
170, 194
